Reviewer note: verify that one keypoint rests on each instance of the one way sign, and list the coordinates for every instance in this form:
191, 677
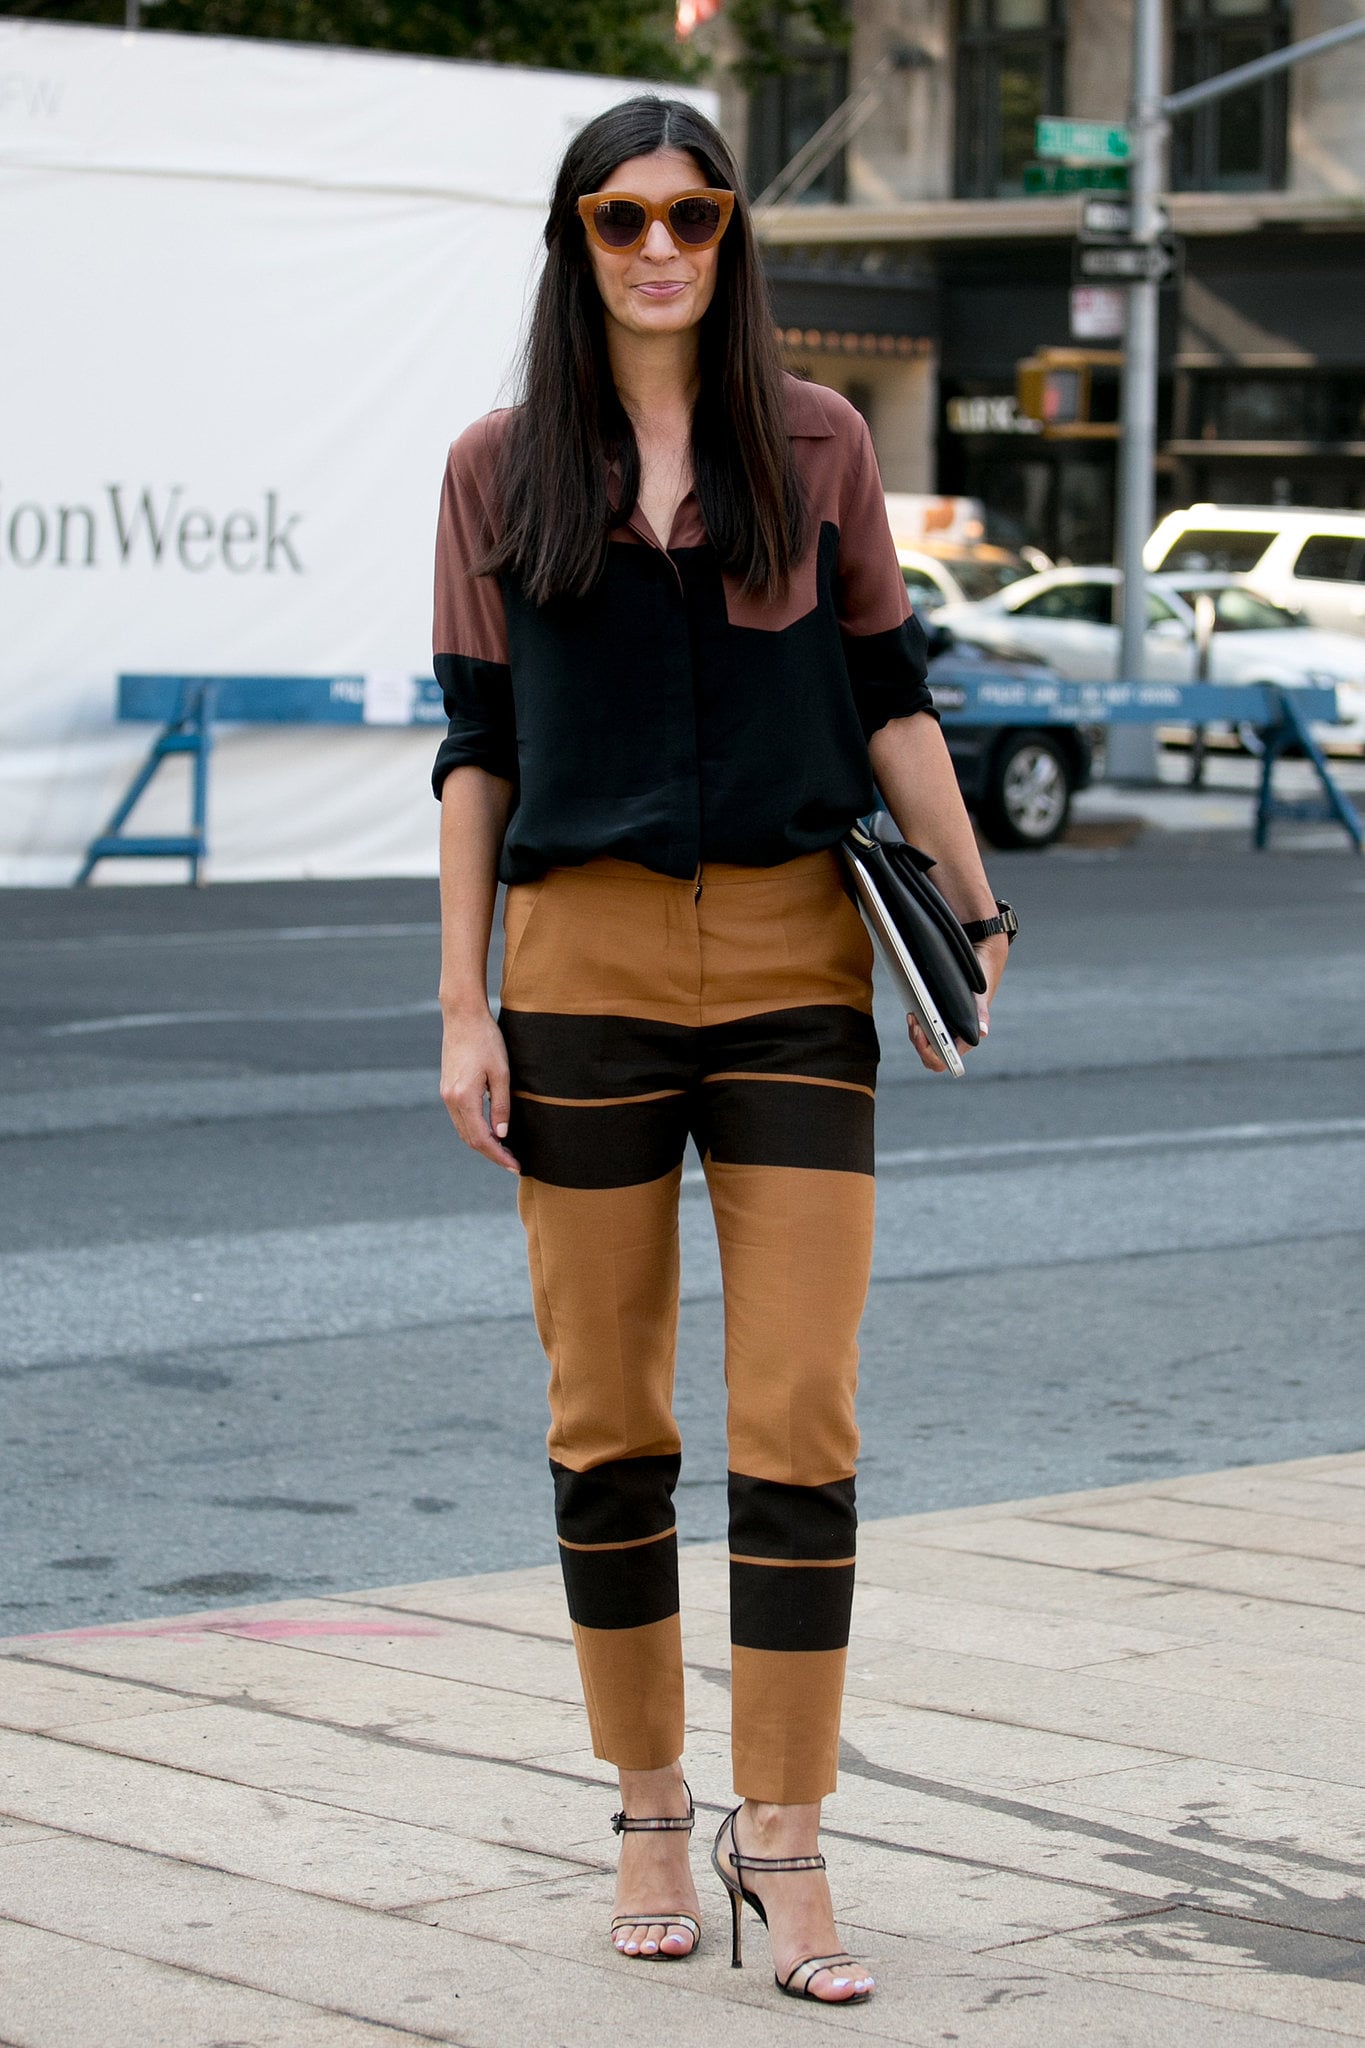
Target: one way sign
1109, 219
1126, 262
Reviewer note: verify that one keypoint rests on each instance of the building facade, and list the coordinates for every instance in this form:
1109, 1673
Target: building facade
918, 271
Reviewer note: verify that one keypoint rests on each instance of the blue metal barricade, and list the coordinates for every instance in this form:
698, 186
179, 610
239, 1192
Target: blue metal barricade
186, 708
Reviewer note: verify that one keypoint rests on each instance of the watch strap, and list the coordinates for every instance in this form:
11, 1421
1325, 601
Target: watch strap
1003, 925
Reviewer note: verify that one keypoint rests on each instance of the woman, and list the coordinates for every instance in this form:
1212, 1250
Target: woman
675, 649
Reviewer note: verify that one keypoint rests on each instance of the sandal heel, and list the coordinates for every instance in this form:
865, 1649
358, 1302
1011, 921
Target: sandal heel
736, 1931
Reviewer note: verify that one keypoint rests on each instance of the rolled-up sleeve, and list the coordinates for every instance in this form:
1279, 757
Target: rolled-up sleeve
884, 644
469, 632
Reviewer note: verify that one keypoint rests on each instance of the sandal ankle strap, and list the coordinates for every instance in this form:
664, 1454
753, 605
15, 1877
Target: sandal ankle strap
623, 1824
675, 1823
776, 1862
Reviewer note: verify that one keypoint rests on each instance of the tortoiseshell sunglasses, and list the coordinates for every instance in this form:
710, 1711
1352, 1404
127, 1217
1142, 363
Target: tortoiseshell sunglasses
619, 221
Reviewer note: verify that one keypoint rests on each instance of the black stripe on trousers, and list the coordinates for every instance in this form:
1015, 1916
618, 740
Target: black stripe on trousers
790, 1606
615, 1145
820, 1041
626, 1501
796, 1603
555, 1053
786, 1123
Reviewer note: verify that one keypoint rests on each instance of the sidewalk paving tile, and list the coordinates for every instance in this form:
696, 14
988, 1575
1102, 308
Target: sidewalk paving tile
1308, 1499
42, 1699
1240, 1964
1103, 1785
340, 1690
1106, 1702
271, 1835
1013, 1583
1276, 1679
357, 1770
923, 1621
1211, 1615
997, 1753
113, 1999
1296, 1819
1036, 1541
1307, 1581
1221, 1524
375, 1966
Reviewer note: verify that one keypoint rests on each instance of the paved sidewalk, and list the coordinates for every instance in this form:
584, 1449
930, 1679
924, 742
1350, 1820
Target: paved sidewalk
1226, 804
1104, 1784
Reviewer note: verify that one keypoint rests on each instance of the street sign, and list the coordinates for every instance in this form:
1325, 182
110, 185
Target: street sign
1046, 178
1094, 142
1111, 220
1126, 262
1097, 312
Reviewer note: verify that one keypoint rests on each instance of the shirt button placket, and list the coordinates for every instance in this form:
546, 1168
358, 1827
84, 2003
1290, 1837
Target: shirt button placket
681, 703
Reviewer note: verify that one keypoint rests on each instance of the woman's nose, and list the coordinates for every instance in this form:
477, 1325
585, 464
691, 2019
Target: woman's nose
658, 243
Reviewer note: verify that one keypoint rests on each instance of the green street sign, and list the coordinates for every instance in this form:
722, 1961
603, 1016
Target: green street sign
1041, 178
1095, 142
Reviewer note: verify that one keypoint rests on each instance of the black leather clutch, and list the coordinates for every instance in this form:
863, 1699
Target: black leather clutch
917, 932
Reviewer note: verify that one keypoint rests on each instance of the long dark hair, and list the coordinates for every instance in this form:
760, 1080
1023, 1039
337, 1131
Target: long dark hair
551, 482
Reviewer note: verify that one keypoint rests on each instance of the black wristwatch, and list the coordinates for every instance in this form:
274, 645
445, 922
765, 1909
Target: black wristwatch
993, 927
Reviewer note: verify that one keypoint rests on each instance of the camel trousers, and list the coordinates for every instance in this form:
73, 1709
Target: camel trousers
734, 1008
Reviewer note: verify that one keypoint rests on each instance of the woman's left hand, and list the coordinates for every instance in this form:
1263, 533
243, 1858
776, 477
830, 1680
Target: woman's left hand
992, 953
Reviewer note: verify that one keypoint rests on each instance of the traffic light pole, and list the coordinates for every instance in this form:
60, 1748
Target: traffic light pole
1131, 754
1132, 749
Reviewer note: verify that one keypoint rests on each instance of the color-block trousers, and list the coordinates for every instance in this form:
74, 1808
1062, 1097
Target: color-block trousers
638, 1011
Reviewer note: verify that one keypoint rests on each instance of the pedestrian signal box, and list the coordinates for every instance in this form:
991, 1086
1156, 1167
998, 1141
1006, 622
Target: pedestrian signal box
1072, 392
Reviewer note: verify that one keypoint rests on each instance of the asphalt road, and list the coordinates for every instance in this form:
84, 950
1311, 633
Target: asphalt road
265, 1325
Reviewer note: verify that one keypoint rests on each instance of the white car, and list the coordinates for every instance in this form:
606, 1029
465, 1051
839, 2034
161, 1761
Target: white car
1308, 560
935, 577
1066, 617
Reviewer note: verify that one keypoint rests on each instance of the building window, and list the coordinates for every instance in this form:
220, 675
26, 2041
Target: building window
786, 108
1011, 57
1236, 144
1322, 408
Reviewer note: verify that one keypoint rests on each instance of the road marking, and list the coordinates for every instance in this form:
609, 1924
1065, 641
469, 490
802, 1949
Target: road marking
269, 934
1128, 1141
200, 1293
118, 1105
152, 1020
1103, 1142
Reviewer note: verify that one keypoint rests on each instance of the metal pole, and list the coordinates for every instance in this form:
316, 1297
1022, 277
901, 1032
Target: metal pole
1132, 748
1205, 620
131, 14
1262, 67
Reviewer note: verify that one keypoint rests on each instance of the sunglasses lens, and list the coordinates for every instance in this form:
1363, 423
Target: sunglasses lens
618, 222
694, 221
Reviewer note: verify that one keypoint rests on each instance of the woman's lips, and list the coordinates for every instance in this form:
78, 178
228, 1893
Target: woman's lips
665, 289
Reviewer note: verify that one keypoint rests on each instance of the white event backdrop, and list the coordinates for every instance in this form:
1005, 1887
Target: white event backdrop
251, 292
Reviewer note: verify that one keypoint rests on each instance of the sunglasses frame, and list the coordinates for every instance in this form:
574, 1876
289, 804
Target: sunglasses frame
588, 204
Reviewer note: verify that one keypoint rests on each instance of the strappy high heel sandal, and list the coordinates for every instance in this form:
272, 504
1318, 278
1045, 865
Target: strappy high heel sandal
797, 1981
622, 1824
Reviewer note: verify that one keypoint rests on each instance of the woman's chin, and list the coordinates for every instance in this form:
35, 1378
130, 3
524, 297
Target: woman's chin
670, 317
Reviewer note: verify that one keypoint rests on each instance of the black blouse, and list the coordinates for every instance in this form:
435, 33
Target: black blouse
666, 718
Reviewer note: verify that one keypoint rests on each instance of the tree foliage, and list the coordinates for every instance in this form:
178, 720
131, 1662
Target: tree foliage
618, 38
774, 35
615, 38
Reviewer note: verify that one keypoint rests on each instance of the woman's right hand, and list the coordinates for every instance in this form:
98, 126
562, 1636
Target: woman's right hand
476, 1084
